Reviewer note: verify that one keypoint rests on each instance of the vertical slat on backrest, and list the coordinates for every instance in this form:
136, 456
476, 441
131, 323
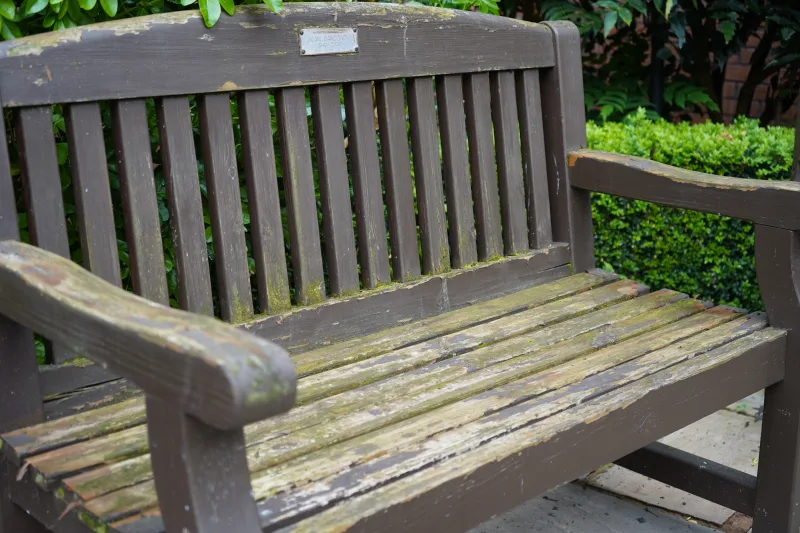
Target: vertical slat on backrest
41, 180
139, 203
564, 123
42, 184
266, 226
482, 165
334, 188
428, 175
225, 207
92, 191
455, 161
534, 165
20, 399
509, 162
301, 202
373, 255
397, 177
185, 205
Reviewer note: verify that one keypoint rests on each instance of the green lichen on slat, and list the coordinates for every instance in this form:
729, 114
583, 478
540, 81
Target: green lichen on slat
93, 523
313, 293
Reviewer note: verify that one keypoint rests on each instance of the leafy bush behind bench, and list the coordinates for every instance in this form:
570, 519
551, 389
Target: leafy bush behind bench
702, 255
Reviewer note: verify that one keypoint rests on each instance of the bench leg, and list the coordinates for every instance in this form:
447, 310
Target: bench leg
778, 492
12, 518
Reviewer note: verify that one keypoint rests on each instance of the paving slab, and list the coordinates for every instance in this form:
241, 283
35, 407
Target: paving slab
579, 509
726, 437
753, 405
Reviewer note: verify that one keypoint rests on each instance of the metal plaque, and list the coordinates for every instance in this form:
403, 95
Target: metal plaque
321, 41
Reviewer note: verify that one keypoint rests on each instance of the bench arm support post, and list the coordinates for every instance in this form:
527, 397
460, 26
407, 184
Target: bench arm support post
204, 380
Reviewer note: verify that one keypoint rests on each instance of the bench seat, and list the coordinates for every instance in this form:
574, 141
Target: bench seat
439, 405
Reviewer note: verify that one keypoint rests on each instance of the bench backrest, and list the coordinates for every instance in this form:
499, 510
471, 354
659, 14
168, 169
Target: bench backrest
489, 113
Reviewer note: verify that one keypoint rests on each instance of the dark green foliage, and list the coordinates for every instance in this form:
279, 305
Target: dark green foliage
702, 255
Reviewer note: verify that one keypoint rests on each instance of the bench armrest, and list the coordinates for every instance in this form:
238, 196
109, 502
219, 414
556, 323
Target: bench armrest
771, 203
221, 375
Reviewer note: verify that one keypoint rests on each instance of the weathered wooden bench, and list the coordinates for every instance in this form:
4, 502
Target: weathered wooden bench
431, 395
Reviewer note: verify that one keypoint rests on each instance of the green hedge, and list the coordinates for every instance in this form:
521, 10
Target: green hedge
707, 256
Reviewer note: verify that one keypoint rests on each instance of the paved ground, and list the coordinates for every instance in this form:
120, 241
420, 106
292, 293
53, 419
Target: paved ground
614, 500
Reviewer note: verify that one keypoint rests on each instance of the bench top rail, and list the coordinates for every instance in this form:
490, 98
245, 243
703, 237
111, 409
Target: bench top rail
175, 53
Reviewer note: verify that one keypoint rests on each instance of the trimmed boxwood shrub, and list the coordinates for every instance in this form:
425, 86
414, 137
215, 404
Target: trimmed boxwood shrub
706, 256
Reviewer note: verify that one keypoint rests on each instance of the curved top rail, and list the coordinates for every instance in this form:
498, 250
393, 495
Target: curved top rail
175, 53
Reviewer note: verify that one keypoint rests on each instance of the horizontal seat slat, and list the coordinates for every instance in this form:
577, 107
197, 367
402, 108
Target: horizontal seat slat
314, 465
134, 441
400, 398
169, 54
54, 434
467, 480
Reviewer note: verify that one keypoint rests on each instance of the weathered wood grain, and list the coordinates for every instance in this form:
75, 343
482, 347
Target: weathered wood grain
351, 454
397, 178
477, 100
468, 481
423, 395
301, 204
509, 162
225, 207
451, 430
185, 205
92, 191
139, 203
401, 397
42, 438
770, 203
334, 190
339, 320
266, 227
365, 167
141, 57
367, 346
534, 164
455, 162
564, 121
428, 175
216, 373
55, 465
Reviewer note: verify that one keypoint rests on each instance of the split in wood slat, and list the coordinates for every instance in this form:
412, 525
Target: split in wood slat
39, 439
482, 165
451, 429
41, 184
509, 162
534, 165
362, 144
92, 191
139, 202
263, 200
9, 225
632, 317
397, 177
393, 497
428, 175
225, 207
454, 415
334, 188
301, 204
185, 205
455, 163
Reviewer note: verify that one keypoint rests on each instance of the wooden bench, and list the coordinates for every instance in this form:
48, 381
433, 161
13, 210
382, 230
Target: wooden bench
469, 361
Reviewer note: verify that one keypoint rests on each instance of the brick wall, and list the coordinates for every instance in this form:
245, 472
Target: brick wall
735, 75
